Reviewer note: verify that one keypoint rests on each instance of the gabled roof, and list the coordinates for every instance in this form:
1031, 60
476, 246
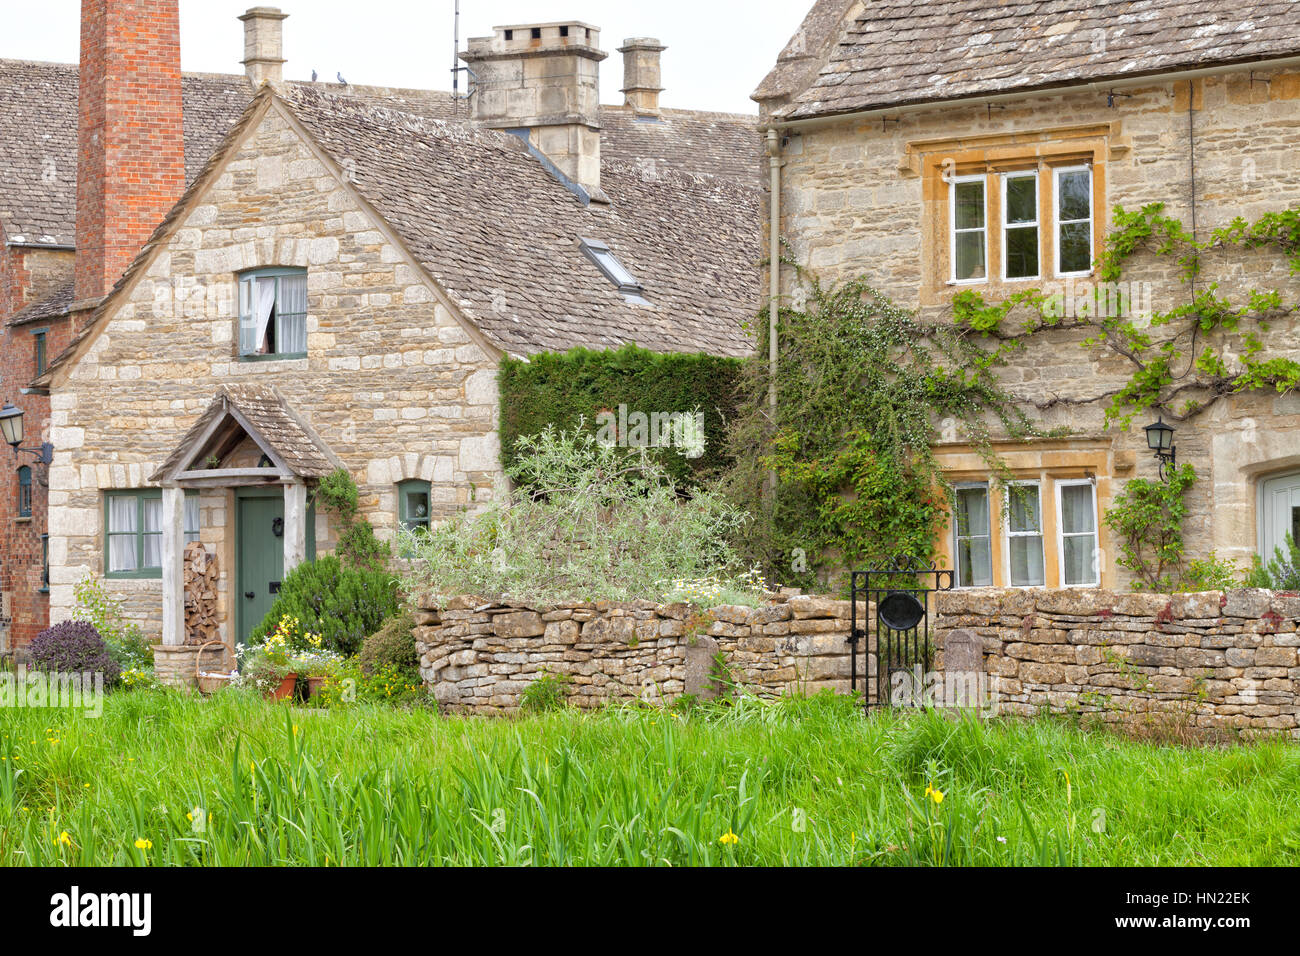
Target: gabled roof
258, 412
38, 138
502, 236
902, 52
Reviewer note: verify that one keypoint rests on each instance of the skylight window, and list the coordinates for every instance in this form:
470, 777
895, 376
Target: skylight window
605, 260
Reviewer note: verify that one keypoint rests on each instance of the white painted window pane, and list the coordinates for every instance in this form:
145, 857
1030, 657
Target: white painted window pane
969, 205
1026, 513
1077, 516
1027, 561
974, 553
293, 314
1080, 559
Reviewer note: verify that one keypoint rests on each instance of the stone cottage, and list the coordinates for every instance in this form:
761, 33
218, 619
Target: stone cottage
940, 147
336, 284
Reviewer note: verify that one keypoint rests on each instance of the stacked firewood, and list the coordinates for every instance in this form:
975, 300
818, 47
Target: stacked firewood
200, 595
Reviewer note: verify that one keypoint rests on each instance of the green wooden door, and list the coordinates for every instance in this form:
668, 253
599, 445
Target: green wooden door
261, 559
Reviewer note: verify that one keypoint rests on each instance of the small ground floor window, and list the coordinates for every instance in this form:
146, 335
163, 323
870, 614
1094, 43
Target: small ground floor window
1279, 513
133, 531
1026, 534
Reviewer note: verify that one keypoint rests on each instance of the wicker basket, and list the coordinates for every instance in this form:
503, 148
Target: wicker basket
210, 683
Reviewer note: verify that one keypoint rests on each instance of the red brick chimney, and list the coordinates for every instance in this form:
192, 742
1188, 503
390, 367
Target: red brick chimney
131, 147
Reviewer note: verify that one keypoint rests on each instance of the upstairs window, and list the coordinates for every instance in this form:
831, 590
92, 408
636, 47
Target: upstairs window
609, 265
1020, 224
1073, 192
24, 492
273, 314
970, 239
413, 505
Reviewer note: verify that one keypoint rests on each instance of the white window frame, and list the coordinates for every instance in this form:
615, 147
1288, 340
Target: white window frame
1007, 226
953, 183
1008, 534
1061, 534
956, 534
1057, 223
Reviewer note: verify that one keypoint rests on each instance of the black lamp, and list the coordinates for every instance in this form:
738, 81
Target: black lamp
11, 429
1160, 439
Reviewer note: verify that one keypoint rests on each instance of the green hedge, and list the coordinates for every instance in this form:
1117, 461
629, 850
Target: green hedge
560, 388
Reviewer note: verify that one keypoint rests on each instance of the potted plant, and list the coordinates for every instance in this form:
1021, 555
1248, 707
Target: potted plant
270, 665
317, 666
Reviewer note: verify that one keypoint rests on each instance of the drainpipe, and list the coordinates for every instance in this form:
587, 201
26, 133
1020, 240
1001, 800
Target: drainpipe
774, 279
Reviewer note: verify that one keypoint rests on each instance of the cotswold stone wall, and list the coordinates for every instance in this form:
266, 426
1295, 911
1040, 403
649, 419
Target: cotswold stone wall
1218, 660
1215, 660
479, 657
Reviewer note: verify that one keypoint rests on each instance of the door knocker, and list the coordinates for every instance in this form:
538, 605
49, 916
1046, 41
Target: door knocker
277, 527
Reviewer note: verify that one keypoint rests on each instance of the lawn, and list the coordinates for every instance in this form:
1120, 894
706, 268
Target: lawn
165, 778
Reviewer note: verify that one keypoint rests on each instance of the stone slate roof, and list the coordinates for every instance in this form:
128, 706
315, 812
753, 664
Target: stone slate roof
273, 424
53, 306
501, 235
38, 138
899, 52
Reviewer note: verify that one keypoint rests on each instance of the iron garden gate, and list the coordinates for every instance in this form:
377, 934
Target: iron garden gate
902, 627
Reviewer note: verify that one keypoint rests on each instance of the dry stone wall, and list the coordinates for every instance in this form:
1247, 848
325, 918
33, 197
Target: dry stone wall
1220, 660
1216, 660
480, 657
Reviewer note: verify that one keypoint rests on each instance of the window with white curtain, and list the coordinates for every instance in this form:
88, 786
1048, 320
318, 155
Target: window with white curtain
1077, 524
973, 537
134, 531
1024, 516
273, 313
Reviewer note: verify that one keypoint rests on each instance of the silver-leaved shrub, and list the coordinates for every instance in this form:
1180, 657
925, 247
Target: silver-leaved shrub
586, 521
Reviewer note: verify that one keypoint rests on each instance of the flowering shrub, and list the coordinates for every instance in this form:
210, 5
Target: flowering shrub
74, 647
394, 644
388, 684
715, 590
587, 522
124, 637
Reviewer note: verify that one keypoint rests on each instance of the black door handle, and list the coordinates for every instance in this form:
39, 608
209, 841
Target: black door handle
250, 595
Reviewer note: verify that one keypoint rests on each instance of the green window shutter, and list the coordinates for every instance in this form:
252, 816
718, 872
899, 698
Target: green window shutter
40, 353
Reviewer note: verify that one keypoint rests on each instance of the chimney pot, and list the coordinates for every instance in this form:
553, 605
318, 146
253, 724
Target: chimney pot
642, 73
264, 45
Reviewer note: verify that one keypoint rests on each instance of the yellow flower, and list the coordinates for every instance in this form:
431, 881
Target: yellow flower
935, 795
729, 839
143, 844
64, 839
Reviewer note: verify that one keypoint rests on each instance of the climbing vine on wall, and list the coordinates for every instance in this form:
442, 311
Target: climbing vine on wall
860, 384
1182, 360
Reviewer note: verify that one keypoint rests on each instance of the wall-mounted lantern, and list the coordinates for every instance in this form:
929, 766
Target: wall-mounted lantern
11, 430
1160, 439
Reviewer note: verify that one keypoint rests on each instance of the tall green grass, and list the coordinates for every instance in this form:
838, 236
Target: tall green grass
237, 781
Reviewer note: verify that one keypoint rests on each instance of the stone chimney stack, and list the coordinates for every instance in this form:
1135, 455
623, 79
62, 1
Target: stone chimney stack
264, 45
130, 141
544, 79
642, 76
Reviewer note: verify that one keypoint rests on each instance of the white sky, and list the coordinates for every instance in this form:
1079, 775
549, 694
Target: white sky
718, 50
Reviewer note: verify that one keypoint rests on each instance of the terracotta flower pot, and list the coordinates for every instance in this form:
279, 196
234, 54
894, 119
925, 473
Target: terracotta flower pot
286, 688
314, 684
